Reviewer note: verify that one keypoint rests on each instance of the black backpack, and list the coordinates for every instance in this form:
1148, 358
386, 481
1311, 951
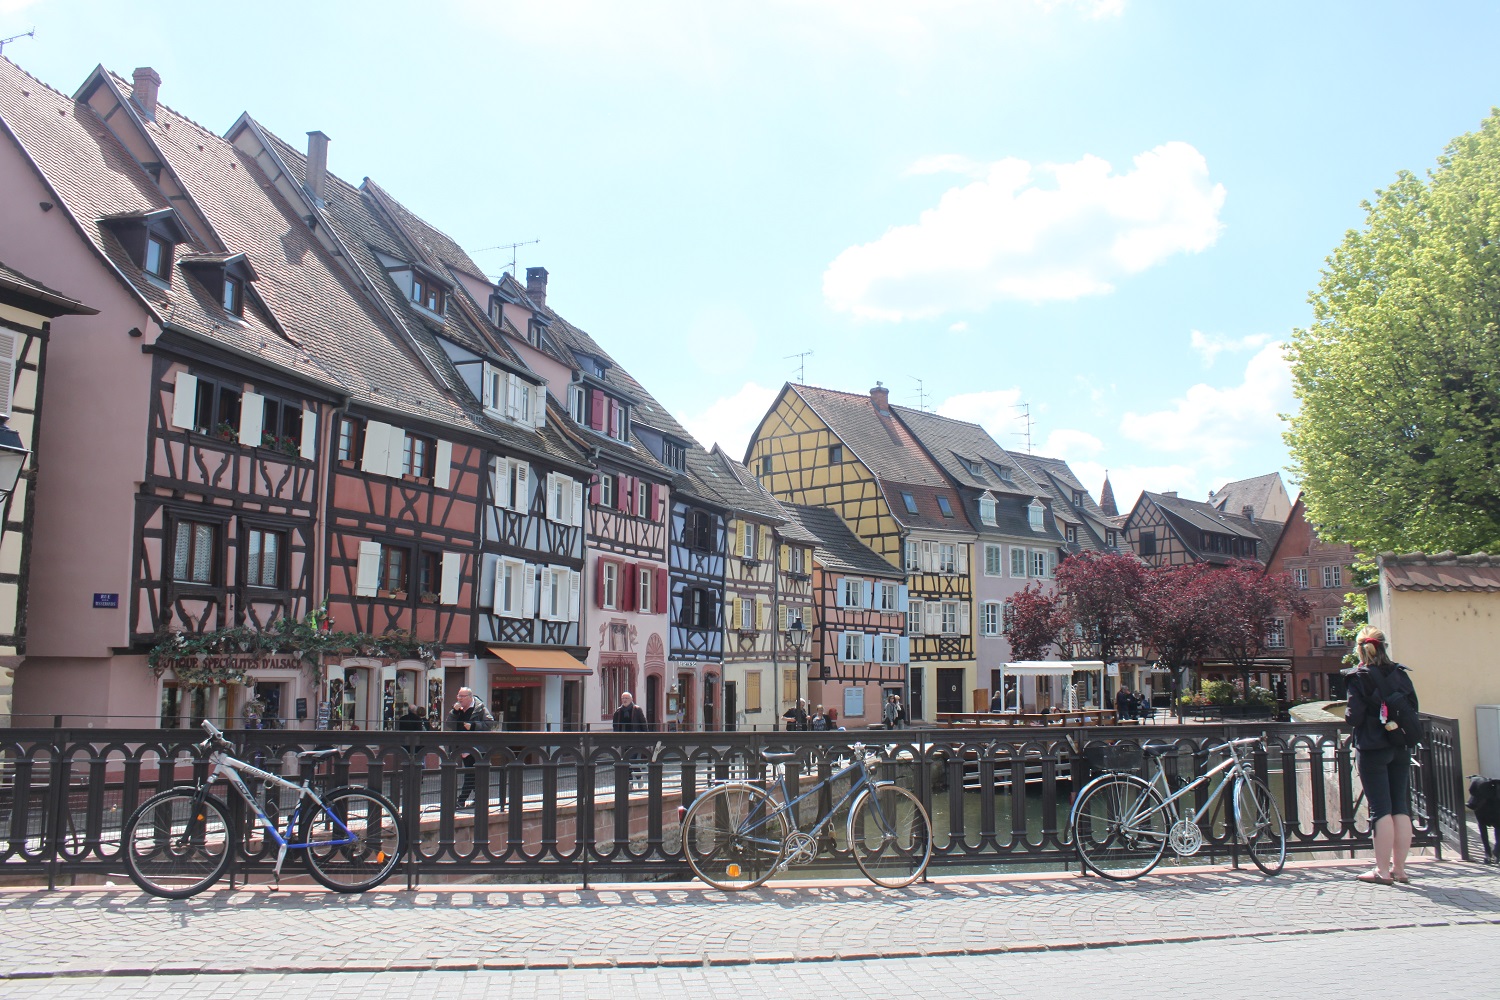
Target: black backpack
1400, 708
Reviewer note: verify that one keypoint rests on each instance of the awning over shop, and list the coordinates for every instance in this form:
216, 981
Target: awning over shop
1049, 668
540, 661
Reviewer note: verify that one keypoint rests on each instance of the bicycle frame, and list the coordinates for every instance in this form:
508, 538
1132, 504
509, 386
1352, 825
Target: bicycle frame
788, 806
226, 767
1169, 798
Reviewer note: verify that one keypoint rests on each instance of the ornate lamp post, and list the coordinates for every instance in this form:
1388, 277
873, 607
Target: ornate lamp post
796, 637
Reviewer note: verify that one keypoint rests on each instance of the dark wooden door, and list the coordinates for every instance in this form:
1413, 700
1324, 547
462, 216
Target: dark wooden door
731, 704
950, 690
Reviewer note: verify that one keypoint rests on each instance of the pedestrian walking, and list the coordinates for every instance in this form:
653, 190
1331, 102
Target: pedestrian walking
469, 715
1382, 710
629, 718
796, 717
819, 721
893, 715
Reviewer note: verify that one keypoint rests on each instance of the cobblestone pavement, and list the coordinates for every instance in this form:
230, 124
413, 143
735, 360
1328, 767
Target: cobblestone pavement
607, 939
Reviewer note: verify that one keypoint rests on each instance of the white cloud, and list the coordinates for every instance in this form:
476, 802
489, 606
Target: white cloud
1210, 345
720, 339
1128, 481
946, 163
958, 327
1211, 426
994, 410
731, 420
1032, 233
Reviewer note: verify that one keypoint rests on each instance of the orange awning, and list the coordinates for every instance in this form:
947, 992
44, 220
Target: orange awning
540, 661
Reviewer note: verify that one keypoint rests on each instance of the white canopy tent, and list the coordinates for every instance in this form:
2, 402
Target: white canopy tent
1046, 668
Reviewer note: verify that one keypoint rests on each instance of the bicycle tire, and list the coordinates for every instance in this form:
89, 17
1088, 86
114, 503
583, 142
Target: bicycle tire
734, 836
895, 817
1258, 824
376, 848
177, 843
1103, 809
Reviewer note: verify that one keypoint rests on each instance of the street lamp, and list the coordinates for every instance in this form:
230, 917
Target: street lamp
796, 637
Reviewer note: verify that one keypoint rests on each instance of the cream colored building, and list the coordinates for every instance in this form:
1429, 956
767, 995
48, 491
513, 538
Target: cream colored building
1441, 614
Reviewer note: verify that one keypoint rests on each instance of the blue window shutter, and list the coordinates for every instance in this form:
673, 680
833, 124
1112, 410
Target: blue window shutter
869, 594
903, 598
869, 644
903, 648
838, 591
839, 651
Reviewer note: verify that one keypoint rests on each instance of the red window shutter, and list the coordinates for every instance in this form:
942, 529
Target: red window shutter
599, 583
597, 410
629, 586
631, 485
594, 489
614, 418
656, 506
661, 589
620, 482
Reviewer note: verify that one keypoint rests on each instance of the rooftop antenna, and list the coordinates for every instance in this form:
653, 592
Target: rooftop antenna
512, 247
12, 38
921, 393
1026, 419
801, 357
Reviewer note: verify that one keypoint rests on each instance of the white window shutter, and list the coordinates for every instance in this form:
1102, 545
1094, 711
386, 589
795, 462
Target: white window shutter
539, 406
963, 560
367, 576
395, 453
309, 449
963, 618
440, 467
575, 581
252, 418
499, 604
528, 591
184, 397
502, 483
452, 565
377, 442
929, 557
934, 614
521, 501
553, 514
577, 521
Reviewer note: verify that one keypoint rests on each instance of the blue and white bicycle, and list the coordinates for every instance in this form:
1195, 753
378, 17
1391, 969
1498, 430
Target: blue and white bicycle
179, 842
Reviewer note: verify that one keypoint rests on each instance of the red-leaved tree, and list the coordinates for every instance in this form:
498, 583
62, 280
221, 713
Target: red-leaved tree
1246, 598
1101, 597
1178, 618
1032, 622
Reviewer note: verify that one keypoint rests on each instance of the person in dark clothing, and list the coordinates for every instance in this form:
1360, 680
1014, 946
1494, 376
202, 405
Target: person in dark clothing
414, 721
997, 701
628, 717
470, 715
1376, 687
1124, 703
796, 717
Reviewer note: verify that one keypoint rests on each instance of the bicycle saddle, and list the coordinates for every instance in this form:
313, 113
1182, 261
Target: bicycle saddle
1155, 749
779, 758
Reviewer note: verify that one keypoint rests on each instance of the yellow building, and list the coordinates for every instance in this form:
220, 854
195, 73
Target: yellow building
1441, 615
26, 313
849, 453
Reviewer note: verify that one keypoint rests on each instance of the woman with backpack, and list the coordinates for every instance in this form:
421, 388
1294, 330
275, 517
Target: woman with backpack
1383, 713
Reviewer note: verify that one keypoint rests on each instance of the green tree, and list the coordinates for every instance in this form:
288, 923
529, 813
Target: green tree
1397, 444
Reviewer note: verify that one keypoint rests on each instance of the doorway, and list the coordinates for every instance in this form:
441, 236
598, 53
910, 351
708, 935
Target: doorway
710, 682
950, 689
653, 702
915, 705
731, 705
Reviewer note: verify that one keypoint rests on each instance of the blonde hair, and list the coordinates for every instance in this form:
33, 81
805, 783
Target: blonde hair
1370, 647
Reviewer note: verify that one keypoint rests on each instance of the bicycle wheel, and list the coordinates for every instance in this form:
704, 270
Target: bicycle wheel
1119, 828
890, 835
175, 844
355, 841
733, 836
1258, 824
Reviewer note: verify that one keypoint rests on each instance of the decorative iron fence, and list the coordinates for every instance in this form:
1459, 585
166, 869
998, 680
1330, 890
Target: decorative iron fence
583, 807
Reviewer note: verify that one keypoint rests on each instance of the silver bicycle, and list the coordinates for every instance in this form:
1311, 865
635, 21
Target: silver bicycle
1123, 824
179, 842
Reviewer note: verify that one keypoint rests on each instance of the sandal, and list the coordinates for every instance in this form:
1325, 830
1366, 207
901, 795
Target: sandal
1374, 878
1401, 879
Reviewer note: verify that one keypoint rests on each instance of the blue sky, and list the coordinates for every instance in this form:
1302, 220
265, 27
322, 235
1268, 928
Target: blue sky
1110, 210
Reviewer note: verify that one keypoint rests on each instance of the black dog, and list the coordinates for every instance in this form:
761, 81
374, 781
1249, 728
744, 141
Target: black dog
1484, 800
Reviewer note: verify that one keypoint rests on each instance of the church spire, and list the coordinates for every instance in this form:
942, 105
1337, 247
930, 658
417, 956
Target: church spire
1107, 498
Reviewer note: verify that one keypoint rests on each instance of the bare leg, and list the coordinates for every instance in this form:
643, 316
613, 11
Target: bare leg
1401, 845
1385, 840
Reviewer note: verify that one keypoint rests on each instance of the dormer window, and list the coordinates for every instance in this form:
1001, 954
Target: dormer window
945, 506
158, 261
1077, 498
511, 397
224, 275
673, 455
608, 415
234, 296
426, 293
987, 509
1034, 512
149, 238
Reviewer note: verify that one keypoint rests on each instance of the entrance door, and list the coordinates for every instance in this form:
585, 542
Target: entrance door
950, 689
731, 705
653, 701
572, 705
710, 720
512, 708
916, 707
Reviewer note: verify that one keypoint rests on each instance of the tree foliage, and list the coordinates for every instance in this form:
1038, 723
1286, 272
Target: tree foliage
1033, 619
1100, 596
1397, 443
1245, 598
1177, 616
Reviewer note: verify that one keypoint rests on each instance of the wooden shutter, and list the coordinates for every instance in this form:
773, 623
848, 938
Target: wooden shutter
929, 557
903, 597
499, 601
870, 642
869, 594
575, 580
963, 559
528, 593
963, 618
763, 613
597, 410
732, 615
452, 566
377, 441
629, 582
309, 448
539, 406
596, 489
903, 649
577, 503
621, 484
440, 470
252, 418
367, 576
551, 508
184, 396
521, 500
658, 502
933, 612
502, 483
843, 648
396, 453
838, 591
599, 582
661, 591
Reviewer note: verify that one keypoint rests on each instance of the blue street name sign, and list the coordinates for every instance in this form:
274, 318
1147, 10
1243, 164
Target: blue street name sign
106, 600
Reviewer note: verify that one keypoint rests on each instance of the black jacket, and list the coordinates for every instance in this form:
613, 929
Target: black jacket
630, 720
1363, 713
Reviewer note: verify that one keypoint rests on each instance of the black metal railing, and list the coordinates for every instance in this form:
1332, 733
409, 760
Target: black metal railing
583, 807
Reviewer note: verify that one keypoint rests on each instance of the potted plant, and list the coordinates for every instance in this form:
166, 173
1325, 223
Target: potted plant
225, 431
428, 597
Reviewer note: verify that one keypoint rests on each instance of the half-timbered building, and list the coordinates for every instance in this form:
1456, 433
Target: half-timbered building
1167, 530
852, 454
858, 649
27, 309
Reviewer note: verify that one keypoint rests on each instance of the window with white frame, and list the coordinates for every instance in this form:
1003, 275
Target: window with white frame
853, 646
607, 486
510, 588
889, 593
852, 593
1276, 633
990, 618
746, 617
889, 649
950, 617
796, 560
1017, 561
1333, 576
914, 612
611, 595
643, 501
994, 560
1331, 635
1299, 577
1034, 515
947, 557
913, 556
1041, 563
578, 402
645, 589
750, 534
987, 509
557, 583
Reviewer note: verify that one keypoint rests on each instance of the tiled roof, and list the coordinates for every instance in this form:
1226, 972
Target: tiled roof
954, 444
1441, 571
838, 548
1254, 493
881, 443
436, 246
1206, 517
15, 281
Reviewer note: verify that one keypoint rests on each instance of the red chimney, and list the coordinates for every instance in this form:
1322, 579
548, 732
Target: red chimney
881, 397
536, 284
147, 82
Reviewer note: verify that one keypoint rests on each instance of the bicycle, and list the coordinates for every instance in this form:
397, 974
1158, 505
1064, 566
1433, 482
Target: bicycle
735, 835
1122, 824
178, 842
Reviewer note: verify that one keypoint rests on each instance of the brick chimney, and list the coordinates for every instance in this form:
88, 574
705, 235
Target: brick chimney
317, 164
147, 82
881, 397
1169, 493
1249, 512
536, 284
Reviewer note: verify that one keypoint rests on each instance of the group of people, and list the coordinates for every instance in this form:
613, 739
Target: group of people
1131, 705
799, 719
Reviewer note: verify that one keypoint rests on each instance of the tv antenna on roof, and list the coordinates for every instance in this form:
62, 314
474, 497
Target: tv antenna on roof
921, 393
801, 357
512, 247
1026, 419
12, 38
